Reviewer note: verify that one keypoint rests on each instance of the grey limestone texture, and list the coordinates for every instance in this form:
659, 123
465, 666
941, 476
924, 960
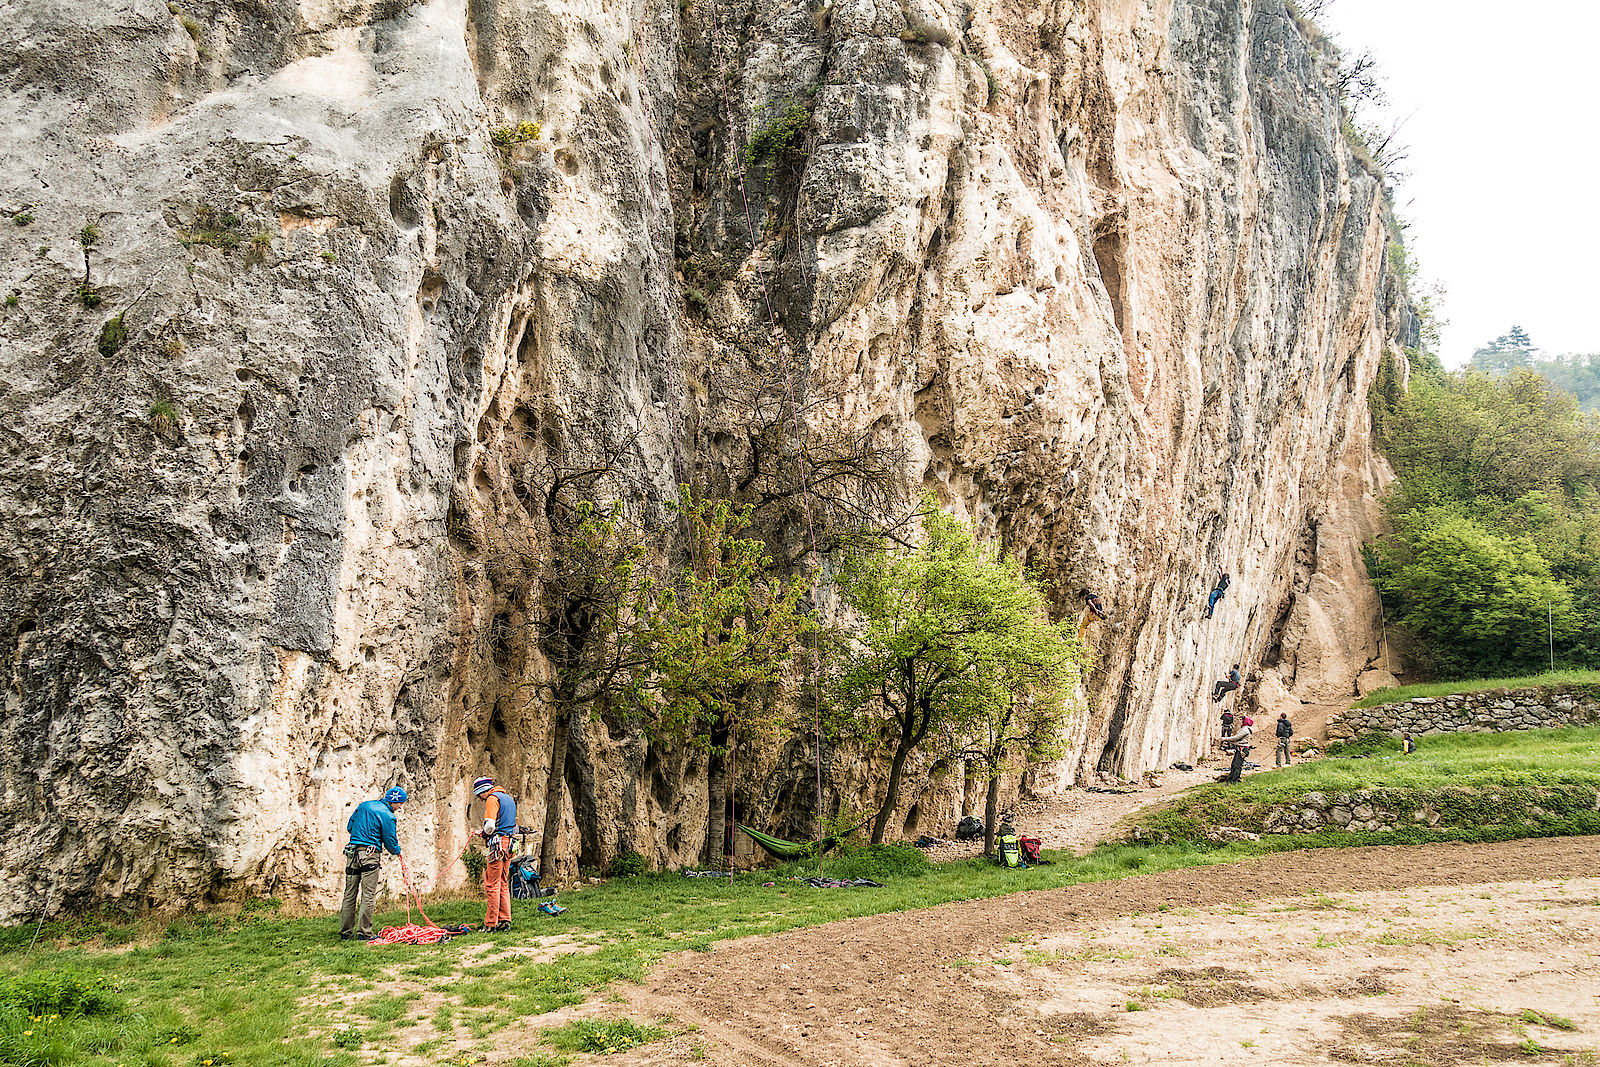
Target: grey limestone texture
298, 344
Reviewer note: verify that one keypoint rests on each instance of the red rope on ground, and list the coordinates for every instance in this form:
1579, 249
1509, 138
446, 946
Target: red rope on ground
411, 933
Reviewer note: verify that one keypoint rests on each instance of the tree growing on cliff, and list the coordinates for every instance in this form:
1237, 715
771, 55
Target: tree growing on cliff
952, 631
723, 627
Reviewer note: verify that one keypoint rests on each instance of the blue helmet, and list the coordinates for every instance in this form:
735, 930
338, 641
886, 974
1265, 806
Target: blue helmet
396, 795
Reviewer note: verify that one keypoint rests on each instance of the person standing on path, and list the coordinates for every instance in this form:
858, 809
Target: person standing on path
372, 830
499, 828
1241, 747
1285, 731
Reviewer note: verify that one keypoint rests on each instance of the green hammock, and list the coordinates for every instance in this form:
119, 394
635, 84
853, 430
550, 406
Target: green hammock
780, 849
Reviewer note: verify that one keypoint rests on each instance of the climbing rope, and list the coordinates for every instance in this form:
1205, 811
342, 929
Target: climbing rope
786, 371
412, 933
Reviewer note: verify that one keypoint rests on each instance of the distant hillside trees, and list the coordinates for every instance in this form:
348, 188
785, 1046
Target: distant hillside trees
1496, 518
1578, 374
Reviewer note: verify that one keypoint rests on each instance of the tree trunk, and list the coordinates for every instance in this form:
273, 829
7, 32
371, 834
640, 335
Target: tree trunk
555, 795
892, 794
717, 795
991, 813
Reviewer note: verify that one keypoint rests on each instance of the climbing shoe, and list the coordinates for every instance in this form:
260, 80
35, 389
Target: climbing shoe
502, 927
550, 907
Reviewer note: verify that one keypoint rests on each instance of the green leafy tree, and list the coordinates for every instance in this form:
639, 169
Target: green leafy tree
724, 628
595, 630
951, 628
1510, 351
1030, 678
1482, 599
1499, 480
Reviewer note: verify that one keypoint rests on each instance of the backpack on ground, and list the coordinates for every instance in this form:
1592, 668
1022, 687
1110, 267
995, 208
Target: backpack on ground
523, 875
969, 828
1008, 851
1030, 847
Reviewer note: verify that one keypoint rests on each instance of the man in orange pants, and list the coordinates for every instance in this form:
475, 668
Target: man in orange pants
499, 827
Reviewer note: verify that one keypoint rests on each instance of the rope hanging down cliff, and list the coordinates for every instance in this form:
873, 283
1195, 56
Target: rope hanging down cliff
786, 369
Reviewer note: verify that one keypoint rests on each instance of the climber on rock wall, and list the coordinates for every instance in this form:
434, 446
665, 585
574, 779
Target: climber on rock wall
1226, 685
1218, 591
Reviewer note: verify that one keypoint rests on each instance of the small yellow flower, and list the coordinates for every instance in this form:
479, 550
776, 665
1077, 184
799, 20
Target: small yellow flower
207, 1063
174, 1041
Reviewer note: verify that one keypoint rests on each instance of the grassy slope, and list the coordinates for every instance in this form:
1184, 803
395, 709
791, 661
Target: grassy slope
1439, 689
260, 989
1486, 784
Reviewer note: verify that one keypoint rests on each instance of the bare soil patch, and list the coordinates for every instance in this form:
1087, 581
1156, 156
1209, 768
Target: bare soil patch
1393, 955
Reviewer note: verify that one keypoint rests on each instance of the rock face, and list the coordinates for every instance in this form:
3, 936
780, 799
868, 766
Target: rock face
315, 301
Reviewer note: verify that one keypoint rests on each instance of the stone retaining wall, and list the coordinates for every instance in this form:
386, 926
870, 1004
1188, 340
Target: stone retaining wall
1486, 711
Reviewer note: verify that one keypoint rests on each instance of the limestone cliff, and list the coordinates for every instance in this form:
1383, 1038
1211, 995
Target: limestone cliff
314, 299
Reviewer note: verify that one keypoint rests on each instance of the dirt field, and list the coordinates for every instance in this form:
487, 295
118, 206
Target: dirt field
1423, 955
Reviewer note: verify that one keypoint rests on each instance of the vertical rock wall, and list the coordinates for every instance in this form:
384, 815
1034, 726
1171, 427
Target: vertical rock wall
306, 318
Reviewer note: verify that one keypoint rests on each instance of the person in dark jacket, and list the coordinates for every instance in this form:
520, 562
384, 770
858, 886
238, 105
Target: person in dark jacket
1225, 686
1218, 591
1091, 600
1241, 749
499, 828
1285, 731
372, 832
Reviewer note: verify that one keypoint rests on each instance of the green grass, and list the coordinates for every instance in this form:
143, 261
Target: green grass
260, 989
1485, 786
1559, 679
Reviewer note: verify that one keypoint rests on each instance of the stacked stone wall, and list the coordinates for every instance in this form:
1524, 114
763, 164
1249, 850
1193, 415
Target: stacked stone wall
1492, 710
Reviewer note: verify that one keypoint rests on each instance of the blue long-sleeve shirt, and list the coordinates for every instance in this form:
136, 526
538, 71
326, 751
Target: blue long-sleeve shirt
372, 826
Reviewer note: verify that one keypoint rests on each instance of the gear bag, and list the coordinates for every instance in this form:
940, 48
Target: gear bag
1008, 851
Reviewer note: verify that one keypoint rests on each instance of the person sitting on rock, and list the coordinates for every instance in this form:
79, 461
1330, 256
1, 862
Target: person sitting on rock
1225, 686
1407, 745
1218, 591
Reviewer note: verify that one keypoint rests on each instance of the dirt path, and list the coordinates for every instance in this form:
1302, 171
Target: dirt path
1230, 964
1078, 819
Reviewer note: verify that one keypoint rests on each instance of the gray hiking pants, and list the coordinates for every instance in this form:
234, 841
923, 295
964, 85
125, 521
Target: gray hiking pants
1283, 751
360, 880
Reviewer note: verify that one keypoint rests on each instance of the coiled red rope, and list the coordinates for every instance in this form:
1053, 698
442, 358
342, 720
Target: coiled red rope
411, 933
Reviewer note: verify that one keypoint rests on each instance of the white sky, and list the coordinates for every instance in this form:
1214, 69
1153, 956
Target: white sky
1504, 130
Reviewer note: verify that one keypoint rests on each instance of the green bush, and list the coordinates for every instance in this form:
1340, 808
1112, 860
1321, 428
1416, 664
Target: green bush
64, 993
113, 335
777, 144
626, 864
878, 862
475, 862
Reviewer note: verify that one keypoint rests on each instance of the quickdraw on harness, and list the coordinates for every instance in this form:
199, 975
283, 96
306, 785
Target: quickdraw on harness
411, 933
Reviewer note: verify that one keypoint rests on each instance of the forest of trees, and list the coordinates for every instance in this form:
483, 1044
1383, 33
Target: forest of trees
1578, 374
1495, 515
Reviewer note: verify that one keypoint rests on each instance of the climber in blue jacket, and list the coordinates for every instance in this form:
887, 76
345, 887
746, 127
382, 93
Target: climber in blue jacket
1218, 591
372, 832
